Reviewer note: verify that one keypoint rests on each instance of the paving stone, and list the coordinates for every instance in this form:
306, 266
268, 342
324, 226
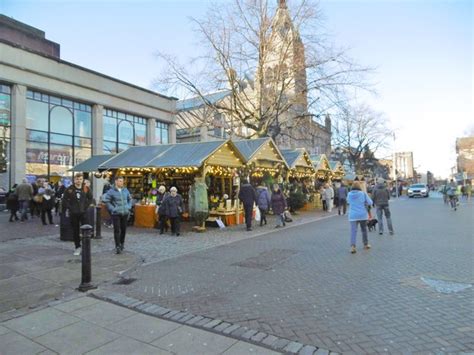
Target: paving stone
222, 326
144, 306
128, 346
169, 315
203, 321
212, 324
280, 344
194, 320
293, 347
103, 313
178, 316
249, 333
187, 317
231, 329
269, 340
239, 331
258, 337
307, 350
321, 351
14, 343
159, 311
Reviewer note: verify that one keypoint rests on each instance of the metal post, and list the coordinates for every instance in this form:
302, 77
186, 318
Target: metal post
98, 222
86, 284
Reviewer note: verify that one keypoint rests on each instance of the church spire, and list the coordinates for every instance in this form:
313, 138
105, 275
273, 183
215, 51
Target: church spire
282, 4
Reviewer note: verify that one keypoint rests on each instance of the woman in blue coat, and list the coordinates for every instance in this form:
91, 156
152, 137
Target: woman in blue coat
358, 202
263, 203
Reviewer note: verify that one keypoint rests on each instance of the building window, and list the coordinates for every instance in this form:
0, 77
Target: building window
161, 133
5, 120
122, 130
59, 134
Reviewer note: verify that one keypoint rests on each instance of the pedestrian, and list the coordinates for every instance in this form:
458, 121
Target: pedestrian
322, 197
174, 207
118, 202
13, 205
381, 196
248, 197
58, 195
25, 195
358, 201
76, 200
279, 205
35, 200
342, 199
469, 191
47, 202
328, 196
263, 203
451, 192
160, 209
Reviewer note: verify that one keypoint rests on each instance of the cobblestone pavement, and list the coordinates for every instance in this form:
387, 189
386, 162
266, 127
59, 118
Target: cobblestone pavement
412, 292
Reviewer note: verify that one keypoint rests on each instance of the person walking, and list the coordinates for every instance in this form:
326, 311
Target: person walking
328, 196
47, 202
279, 205
341, 199
248, 197
25, 195
452, 194
468, 191
358, 201
118, 202
381, 196
174, 207
13, 205
58, 195
76, 200
263, 203
160, 209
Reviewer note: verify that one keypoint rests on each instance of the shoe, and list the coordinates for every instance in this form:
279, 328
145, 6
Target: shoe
380, 233
161, 232
353, 249
391, 233
278, 226
121, 247
249, 229
177, 234
77, 252
10, 220
367, 247
51, 223
118, 250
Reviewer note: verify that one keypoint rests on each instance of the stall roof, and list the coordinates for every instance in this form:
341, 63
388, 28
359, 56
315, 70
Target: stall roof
135, 157
92, 164
251, 148
295, 156
320, 162
248, 147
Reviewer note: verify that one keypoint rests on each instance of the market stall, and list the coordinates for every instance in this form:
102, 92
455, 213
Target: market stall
323, 174
337, 170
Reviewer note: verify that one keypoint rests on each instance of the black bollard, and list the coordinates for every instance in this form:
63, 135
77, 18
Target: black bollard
98, 222
86, 284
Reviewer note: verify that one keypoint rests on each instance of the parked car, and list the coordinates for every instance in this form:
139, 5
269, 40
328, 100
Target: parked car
420, 190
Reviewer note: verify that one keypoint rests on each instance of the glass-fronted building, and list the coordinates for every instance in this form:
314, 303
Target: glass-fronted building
55, 114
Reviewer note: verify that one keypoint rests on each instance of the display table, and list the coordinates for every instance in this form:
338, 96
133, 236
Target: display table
145, 216
228, 217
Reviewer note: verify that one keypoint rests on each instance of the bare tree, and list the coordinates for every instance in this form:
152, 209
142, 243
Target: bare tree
276, 68
360, 132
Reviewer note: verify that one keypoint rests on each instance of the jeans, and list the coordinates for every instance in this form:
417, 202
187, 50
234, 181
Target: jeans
248, 215
24, 209
120, 228
363, 227
342, 203
44, 212
263, 216
77, 220
162, 223
175, 225
381, 210
281, 219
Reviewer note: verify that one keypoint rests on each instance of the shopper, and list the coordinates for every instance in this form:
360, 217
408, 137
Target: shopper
278, 202
263, 203
47, 202
174, 207
119, 203
25, 195
76, 200
328, 196
342, 199
381, 196
13, 205
160, 209
358, 201
248, 197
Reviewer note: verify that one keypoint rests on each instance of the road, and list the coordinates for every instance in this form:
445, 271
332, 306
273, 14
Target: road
412, 292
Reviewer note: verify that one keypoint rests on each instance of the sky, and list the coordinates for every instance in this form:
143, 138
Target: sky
421, 50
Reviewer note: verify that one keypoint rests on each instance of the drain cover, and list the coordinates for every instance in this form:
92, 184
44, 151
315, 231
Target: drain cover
125, 281
267, 259
444, 286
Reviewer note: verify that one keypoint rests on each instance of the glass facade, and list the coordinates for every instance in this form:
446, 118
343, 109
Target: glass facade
58, 134
122, 130
5, 120
161, 133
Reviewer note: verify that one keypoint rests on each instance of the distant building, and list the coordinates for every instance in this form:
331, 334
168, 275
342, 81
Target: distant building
404, 165
465, 158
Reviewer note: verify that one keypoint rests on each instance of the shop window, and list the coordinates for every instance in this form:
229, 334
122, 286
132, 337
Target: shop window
83, 124
37, 115
61, 120
125, 132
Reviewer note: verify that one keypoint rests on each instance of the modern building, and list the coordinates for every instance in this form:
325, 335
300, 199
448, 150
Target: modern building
404, 168
55, 114
465, 158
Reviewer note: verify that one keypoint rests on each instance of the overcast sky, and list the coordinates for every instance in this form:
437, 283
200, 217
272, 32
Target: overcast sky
422, 50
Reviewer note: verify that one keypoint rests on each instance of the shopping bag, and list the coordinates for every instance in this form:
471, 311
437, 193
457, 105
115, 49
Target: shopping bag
257, 215
220, 223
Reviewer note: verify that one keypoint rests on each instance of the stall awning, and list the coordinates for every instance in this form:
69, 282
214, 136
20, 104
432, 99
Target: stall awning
135, 157
297, 158
320, 162
261, 150
92, 164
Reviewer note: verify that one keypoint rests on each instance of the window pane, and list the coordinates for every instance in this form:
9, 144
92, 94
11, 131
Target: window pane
36, 136
55, 100
81, 154
140, 134
110, 128
60, 159
36, 115
36, 158
82, 142
164, 136
83, 122
123, 147
158, 135
61, 120
109, 147
67, 103
5, 157
60, 139
125, 132
4, 109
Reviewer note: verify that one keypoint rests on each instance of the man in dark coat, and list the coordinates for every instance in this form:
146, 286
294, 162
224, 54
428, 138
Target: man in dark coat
174, 206
248, 197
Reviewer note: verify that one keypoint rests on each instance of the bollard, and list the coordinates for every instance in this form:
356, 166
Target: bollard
86, 285
98, 222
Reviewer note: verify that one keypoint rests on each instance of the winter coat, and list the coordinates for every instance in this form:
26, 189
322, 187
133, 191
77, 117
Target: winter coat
160, 198
173, 206
380, 195
358, 202
12, 201
263, 198
72, 203
247, 195
118, 202
342, 192
24, 192
278, 202
328, 193
47, 197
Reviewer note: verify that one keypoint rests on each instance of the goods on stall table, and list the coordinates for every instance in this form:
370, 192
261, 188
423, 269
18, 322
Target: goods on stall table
145, 216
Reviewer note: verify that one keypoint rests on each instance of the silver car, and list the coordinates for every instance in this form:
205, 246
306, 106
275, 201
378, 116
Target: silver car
420, 190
